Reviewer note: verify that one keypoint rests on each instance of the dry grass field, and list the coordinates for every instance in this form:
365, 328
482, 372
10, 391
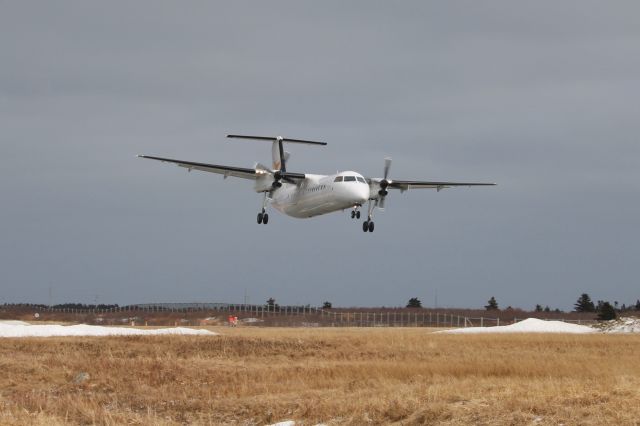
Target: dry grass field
332, 376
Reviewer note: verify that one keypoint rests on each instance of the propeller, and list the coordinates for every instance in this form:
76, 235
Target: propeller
277, 176
384, 183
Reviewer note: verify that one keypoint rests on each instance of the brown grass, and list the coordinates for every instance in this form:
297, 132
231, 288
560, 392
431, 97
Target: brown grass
336, 376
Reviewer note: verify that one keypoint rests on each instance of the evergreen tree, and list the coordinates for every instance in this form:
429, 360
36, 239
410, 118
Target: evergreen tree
538, 308
547, 309
638, 305
492, 304
326, 305
272, 305
584, 304
414, 302
606, 312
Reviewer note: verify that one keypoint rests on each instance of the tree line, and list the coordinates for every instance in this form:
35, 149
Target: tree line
605, 309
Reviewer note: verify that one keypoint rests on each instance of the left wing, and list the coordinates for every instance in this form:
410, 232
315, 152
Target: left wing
403, 185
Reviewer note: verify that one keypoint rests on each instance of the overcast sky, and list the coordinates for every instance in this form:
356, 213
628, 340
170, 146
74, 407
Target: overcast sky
540, 97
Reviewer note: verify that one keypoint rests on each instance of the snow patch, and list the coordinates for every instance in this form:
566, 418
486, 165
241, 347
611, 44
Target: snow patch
13, 322
620, 325
27, 330
530, 325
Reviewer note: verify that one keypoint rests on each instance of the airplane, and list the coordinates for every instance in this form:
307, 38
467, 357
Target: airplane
304, 195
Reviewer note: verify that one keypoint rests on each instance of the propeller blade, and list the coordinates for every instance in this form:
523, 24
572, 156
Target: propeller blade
384, 183
387, 165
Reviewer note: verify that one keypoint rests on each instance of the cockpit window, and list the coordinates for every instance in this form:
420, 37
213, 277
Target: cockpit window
349, 178
338, 179
360, 179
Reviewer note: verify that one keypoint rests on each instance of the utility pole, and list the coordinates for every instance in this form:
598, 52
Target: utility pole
436, 298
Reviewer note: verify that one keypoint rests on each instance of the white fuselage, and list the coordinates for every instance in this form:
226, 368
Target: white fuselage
320, 194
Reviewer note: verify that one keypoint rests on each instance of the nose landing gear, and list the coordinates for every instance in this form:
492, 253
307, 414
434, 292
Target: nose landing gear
355, 214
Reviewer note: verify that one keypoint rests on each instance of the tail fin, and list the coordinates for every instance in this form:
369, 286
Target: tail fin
278, 155
278, 163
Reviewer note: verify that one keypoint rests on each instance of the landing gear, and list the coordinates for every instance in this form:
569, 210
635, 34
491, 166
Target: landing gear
368, 226
355, 214
263, 216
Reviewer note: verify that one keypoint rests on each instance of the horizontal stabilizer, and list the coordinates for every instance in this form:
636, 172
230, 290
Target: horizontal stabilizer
276, 139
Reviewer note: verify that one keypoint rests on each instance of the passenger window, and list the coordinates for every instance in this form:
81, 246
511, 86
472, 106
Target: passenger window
361, 179
349, 178
338, 179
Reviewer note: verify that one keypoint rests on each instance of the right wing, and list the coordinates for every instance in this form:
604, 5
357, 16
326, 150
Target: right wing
240, 172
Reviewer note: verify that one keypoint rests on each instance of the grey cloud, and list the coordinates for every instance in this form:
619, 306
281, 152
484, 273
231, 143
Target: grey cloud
540, 97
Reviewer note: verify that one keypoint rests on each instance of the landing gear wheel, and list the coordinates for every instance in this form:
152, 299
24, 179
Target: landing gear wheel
265, 218
358, 214
365, 226
353, 214
260, 218
370, 226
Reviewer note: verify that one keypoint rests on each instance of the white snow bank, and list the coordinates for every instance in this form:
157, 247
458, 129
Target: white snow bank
13, 322
620, 325
26, 330
530, 325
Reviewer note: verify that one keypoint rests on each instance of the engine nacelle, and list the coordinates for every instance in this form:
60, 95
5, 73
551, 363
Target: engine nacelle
264, 183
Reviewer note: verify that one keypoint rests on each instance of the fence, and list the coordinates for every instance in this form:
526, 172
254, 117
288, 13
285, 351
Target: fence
302, 315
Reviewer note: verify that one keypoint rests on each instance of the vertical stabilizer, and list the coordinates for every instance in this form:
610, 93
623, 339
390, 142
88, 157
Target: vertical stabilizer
277, 155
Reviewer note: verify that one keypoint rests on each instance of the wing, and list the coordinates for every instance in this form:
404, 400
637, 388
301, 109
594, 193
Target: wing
403, 185
240, 172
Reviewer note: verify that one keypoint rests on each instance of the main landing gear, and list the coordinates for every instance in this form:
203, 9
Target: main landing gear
367, 225
263, 216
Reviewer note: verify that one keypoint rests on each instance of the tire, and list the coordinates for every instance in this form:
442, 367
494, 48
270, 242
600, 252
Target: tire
265, 218
365, 226
358, 214
259, 218
370, 226
353, 214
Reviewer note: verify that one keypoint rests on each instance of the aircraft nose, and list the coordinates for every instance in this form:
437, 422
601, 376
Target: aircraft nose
362, 193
